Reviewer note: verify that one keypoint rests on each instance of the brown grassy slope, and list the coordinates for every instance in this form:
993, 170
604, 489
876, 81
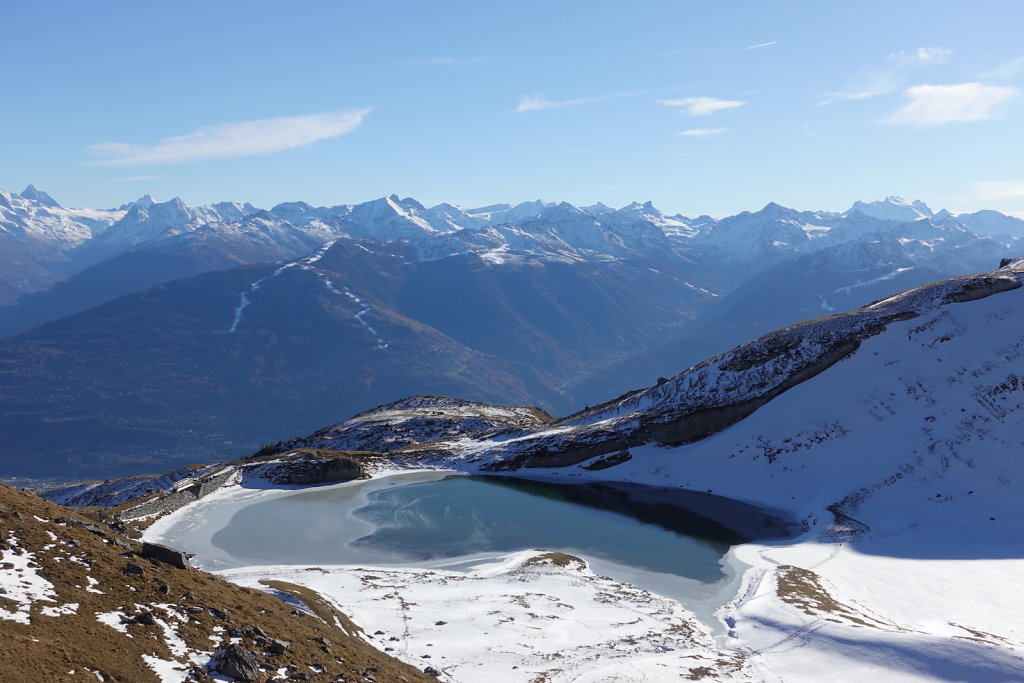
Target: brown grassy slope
198, 607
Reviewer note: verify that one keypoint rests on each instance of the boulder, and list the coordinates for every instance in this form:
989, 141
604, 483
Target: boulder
175, 558
278, 647
236, 662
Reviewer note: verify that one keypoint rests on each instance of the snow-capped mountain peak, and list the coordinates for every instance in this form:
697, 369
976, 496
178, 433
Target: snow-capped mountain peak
893, 208
144, 201
598, 209
33, 194
992, 223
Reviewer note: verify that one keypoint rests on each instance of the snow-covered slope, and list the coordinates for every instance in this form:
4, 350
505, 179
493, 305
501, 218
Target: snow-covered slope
35, 215
992, 223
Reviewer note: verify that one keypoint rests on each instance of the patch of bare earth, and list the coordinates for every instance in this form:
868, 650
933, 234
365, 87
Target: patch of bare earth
804, 589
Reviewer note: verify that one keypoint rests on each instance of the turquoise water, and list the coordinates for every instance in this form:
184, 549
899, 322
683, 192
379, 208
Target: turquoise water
398, 522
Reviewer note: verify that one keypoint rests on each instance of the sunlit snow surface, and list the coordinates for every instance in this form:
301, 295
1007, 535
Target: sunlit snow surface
20, 583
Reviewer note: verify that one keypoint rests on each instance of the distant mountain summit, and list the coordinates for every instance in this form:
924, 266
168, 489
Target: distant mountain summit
145, 201
31, 193
893, 208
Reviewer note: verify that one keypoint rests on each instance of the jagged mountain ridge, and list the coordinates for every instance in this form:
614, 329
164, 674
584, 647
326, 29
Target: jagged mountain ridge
105, 254
87, 237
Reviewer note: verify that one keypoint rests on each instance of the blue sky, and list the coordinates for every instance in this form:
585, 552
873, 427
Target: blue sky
701, 107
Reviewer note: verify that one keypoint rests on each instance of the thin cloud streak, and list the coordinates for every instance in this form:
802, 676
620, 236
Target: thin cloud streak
701, 106
754, 47
890, 78
702, 132
236, 139
933, 105
539, 102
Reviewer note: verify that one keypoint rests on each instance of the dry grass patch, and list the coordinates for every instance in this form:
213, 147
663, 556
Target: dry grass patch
150, 609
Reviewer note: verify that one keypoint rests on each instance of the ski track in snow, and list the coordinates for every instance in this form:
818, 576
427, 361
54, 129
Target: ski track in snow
304, 263
364, 307
244, 302
873, 281
244, 297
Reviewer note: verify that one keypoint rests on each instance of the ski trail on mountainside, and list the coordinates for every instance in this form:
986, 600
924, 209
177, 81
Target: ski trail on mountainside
244, 297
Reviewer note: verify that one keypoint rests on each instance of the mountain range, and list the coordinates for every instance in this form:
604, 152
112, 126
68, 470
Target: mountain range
156, 333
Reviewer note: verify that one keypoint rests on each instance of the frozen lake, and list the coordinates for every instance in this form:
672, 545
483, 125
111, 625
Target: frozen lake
667, 540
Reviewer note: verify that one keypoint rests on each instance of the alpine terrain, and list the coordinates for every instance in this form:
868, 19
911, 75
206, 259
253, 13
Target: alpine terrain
888, 435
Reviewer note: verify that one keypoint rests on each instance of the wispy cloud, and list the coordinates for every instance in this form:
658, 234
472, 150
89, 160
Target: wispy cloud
701, 106
1001, 189
754, 47
922, 56
539, 102
891, 76
702, 132
237, 139
933, 105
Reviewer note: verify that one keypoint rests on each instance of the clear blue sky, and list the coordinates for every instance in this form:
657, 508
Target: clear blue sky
701, 107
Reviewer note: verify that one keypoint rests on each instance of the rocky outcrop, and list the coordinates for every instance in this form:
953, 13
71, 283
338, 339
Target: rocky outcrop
414, 421
318, 467
236, 662
165, 494
177, 498
161, 553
